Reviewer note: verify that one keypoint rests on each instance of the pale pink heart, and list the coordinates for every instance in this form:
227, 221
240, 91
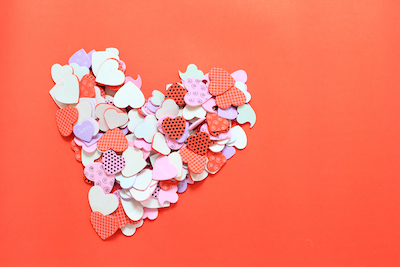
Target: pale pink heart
164, 169
137, 82
197, 92
173, 144
142, 144
95, 172
209, 105
150, 213
239, 76
168, 195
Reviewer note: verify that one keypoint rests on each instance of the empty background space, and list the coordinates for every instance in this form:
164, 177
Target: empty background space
318, 184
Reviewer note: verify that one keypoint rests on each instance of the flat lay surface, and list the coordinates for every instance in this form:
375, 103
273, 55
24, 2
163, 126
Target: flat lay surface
318, 183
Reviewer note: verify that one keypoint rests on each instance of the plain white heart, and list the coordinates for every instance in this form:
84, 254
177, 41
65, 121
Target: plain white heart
103, 203
109, 74
129, 95
114, 118
69, 92
59, 72
99, 57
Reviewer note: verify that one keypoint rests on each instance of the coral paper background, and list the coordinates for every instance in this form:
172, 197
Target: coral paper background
318, 184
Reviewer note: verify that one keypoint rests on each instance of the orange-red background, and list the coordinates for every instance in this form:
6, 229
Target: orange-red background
318, 184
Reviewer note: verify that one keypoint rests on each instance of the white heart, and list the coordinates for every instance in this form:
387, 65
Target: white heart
99, 57
168, 107
143, 179
114, 118
129, 95
80, 71
125, 182
144, 195
99, 111
147, 129
69, 92
176, 160
157, 97
246, 114
199, 177
159, 144
152, 203
132, 208
113, 50
130, 229
84, 110
240, 136
88, 158
109, 74
134, 119
190, 112
134, 161
59, 72
103, 203
191, 72
243, 88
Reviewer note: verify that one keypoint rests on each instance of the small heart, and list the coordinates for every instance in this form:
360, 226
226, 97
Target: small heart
81, 58
177, 93
233, 96
86, 86
174, 127
105, 226
196, 163
65, 118
220, 81
197, 92
84, 131
69, 92
217, 124
59, 72
103, 203
112, 162
95, 172
113, 139
129, 95
164, 169
199, 143
215, 161
109, 74
114, 118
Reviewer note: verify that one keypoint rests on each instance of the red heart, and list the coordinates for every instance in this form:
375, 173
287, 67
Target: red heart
196, 163
220, 81
105, 226
174, 127
168, 184
86, 86
199, 143
113, 139
65, 118
216, 123
177, 93
233, 97
119, 213
215, 161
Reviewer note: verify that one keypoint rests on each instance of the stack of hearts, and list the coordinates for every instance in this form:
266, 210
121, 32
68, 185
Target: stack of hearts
139, 154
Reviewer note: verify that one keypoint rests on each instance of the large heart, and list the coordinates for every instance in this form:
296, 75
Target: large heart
140, 154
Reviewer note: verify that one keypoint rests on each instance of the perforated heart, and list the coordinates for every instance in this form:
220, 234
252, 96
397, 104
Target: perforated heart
140, 154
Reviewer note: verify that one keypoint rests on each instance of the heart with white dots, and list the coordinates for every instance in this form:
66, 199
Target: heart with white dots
139, 154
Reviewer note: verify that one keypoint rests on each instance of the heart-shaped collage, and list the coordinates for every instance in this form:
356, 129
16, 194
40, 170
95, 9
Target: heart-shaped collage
138, 155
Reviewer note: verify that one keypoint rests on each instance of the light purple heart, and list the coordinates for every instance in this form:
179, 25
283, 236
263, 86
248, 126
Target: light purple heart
81, 58
112, 162
229, 113
84, 131
228, 152
90, 54
182, 186
151, 107
125, 130
94, 139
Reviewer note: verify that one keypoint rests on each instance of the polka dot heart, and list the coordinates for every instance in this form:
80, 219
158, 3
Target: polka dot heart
136, 166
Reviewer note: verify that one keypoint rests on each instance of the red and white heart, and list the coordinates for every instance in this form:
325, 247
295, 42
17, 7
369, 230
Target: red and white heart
139, 154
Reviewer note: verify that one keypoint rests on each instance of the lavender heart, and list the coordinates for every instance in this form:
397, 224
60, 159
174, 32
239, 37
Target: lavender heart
229, 113
84, 131
81, 58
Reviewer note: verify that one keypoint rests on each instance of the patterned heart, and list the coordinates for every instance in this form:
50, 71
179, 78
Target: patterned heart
95, 172
174, 127
65, 118
112, 162
105, 226
197, 92
220, 81
86, 86
215, 161
168, 184
177, 93
113, 139
216, 123
199, 143
233, 97
196, 163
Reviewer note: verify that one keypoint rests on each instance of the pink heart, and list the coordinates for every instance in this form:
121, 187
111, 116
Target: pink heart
197, 92
112, 162
164, 169
95, 172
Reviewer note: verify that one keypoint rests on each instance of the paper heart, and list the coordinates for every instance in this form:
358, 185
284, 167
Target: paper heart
120, 215
199, 144
114, 118
103, 203
86, 86
216, 123
95, 172
79, 71
197, 92
69, 92
164, 169
109, 73
113, 139
177, 93
229, 113
99, 57
65, 118
168, 184
59, 72
196, 162
129, 95
175, 128
157, 97
112, 162
215, 161
191, 72
105, 226
233, 97
168, 107
81, 58
220, 81
84, 130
